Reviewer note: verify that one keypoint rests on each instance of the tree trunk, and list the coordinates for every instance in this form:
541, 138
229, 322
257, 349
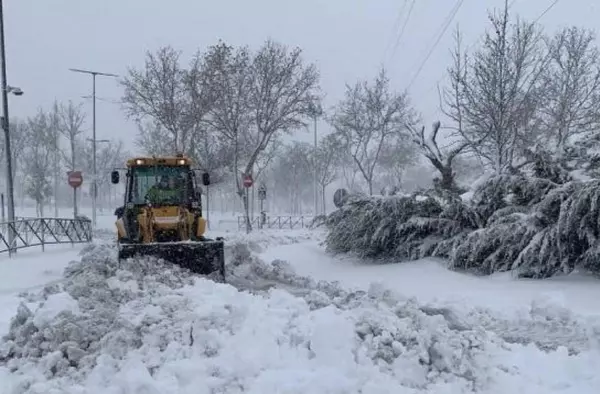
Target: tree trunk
447, 181
323, 197
247, 213
40, 208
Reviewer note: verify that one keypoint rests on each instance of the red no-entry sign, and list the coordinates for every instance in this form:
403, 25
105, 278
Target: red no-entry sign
247, 179
75, 179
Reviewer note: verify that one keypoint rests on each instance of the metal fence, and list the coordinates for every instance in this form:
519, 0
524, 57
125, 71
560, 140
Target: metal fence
276, 222
30, 232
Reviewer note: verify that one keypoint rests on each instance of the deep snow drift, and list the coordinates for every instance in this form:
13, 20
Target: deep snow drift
147, 327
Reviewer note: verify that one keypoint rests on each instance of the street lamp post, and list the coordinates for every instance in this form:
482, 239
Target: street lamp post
94, 184
5, 127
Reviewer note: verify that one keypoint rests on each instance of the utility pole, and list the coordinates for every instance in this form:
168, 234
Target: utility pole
5, 126
94, 175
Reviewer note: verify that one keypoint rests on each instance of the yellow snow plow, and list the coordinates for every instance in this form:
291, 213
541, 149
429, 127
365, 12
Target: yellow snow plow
162, 215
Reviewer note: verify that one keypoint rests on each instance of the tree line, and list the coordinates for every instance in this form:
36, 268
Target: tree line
524, 104
517, 95
48, 144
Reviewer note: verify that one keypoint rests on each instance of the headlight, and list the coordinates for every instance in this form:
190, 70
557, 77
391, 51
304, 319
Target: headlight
181, 162
139, 162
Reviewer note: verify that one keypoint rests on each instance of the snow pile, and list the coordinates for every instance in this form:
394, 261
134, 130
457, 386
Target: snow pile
546, 323
148, 327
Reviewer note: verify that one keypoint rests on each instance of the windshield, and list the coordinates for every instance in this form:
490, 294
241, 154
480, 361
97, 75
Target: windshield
159, 185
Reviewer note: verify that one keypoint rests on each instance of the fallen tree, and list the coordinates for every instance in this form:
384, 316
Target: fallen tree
532, 226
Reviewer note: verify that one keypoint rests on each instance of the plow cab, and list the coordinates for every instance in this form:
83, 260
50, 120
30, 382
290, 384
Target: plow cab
162, 215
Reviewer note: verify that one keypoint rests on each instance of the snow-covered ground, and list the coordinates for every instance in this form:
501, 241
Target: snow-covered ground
428, 280
282, 326
28, 271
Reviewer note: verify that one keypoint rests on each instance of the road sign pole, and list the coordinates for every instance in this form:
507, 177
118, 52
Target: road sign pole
262, 213
262, 195
75, 179
74, 203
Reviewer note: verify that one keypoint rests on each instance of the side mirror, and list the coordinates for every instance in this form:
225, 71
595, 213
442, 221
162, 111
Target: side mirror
114, 177
206, 179
119, 212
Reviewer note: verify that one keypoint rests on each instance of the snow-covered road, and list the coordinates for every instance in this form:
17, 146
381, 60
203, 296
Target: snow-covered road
148, 328
429, 281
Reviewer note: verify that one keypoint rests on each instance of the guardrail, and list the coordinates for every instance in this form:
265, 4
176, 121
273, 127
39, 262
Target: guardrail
30, 232
278, 222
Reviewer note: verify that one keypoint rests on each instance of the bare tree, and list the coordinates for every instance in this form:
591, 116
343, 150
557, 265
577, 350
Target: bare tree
396, 156
283, 94
204, 139
348, 169
368, 117
211, 154
151, 138
441, 158
230, 79
110, 156
572, 82
290, 172
258, 97
54, 140
70, 119
158, 93
38, 160
19, 140
327, 159
263, 163
494, 95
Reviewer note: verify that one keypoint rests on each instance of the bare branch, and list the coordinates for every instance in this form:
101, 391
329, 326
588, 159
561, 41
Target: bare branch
493, 97
370, 116
572, 82
441, 158
157, 92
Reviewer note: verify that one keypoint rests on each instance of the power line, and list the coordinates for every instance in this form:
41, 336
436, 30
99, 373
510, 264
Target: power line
546, 11
395, 27
412, 5
449, 19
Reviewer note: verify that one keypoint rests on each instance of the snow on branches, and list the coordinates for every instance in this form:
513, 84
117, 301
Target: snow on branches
532, 226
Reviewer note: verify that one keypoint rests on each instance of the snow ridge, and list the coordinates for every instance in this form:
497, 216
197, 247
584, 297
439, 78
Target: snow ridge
547, 324
146, 326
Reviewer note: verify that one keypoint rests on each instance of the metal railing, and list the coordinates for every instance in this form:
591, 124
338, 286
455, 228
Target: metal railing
276, 222
30, 232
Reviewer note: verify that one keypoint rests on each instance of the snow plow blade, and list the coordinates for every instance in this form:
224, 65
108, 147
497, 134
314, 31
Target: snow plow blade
205, 257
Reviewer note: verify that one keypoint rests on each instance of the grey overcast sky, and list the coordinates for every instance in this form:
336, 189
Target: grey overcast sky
347, 39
